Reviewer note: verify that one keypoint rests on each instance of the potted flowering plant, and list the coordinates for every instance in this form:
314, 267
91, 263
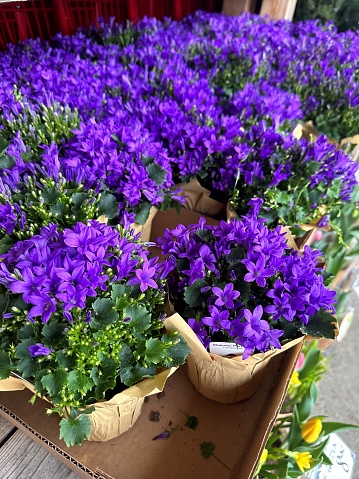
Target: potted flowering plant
303, 184
82, 320
240, 282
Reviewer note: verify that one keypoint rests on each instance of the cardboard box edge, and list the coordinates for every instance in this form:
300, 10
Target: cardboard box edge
76, 466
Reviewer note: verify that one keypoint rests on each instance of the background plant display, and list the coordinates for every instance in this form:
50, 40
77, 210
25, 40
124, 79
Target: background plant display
106, 122
297, 441
82, 318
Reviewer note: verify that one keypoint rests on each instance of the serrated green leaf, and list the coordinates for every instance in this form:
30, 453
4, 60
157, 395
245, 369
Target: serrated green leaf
320, 325
54, 382
117, 291
6, 161
5, 244
177, 354
157, 173
50, 196
78, 198
77, 381
58, 210
53, 332
193, 295
207, 449
26, 332
192, 422
75, 431
126, 356
155, 350
6, 365
140, 317
108, 205
130, 376
142, 213
105, 313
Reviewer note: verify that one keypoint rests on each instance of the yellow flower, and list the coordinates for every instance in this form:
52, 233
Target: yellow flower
311, 429
303, 460
264, 456
295, 381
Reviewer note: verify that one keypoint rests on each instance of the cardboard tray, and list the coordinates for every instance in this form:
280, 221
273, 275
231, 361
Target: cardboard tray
238, 431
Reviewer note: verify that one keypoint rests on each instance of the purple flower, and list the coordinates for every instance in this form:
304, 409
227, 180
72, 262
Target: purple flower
257, 271
218, 321
39, 349
144, 277
226, 296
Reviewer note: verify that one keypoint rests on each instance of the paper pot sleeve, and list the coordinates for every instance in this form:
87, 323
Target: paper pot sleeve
114, 417
226, 380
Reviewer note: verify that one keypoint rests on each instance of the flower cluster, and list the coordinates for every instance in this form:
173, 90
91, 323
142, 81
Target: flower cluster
241, 280
299, 182
81, 315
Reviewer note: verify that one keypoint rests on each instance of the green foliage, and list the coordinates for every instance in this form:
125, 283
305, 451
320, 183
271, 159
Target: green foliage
75, 431
286, 441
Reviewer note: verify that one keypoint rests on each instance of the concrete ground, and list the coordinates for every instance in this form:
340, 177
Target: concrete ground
338, 391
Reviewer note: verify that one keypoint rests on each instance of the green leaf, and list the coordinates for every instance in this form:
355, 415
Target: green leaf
6, 161
207, 449
26, 332
126, 356
311, 360
108, 205
79, 198
105, 313
131, 376
142, 213
27, 365
77, 381
307, 402
5, 244
157, 173
193, 295
5, 365
3, 145
329, 427
117, 291
50, 196
53, 332
192, 422
176, 354
59, 210
75, 431
140, 317
294, 436
54, 382
155, 350
320, 325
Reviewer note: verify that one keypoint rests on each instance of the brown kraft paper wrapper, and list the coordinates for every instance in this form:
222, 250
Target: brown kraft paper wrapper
114, 417
197, 199
226, 380
145, 229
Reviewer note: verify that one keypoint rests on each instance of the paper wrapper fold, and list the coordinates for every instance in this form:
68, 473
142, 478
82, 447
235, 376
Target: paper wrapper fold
226, 380
198, 199
145, 229
114, 417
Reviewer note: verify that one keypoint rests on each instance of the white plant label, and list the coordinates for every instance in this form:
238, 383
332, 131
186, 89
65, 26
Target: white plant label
222, 348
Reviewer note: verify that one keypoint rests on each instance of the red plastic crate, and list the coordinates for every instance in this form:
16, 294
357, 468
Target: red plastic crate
22, 20
45, 18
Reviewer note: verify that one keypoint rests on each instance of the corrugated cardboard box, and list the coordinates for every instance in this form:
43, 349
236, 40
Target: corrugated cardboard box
238, 431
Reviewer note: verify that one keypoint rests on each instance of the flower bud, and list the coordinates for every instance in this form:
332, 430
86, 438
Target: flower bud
310, 430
